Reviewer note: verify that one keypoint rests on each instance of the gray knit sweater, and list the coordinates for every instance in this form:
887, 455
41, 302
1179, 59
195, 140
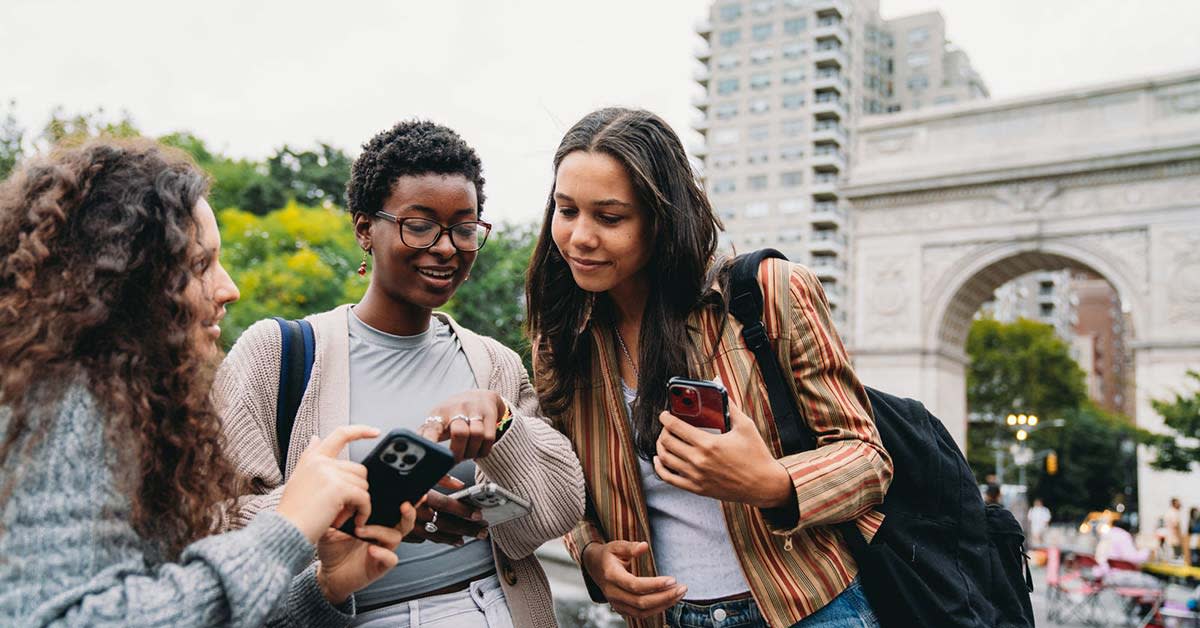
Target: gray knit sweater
69, 555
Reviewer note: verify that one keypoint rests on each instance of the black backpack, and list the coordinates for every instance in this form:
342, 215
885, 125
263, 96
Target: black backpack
940, 558
295, 367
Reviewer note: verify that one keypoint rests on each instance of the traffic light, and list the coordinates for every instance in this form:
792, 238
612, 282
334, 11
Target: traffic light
1052, 463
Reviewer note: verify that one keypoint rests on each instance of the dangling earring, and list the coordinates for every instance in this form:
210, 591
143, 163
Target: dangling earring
362, 268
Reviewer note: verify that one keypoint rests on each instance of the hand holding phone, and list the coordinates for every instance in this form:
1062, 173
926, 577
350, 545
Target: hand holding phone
496, 503
401, 468
699, 403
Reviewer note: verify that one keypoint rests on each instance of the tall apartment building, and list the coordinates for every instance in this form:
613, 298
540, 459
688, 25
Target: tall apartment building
784, 82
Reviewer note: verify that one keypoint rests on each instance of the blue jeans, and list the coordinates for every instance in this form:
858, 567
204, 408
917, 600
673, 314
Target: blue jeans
848, 610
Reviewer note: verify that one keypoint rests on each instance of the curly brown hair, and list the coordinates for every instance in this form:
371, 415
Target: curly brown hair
97, 247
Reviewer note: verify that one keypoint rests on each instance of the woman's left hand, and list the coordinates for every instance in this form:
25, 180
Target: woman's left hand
468, 421
736, 466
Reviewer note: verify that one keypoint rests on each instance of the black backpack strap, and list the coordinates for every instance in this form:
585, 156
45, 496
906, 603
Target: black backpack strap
295, 368
746, 305
795, 435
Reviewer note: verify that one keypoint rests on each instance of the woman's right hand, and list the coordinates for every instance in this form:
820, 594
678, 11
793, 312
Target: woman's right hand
323, 490
609, 566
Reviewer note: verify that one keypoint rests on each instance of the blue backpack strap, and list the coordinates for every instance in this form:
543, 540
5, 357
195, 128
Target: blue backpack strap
295, 368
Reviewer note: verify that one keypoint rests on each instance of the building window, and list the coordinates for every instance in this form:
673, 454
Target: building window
793, 127
791, 206
725, 137
730, 12
792, 76
918, 36
725, 111
761, 32
791, 179
757, 210
757, 156
791, 235
757, 182
794, 50
727, 213
918, 81
759, 56
762, 7
723, 186
728, 62
791, 152
795, 25
762, 80
794, 4
945, 100
918, 59
759, 105
730, 37
724, 160
727, 85
757, 132
793, 101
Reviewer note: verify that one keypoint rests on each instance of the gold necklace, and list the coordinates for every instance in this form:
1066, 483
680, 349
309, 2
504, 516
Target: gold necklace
629, 358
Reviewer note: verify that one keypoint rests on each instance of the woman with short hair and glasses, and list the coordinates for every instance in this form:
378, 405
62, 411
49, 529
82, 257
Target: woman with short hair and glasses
390, 361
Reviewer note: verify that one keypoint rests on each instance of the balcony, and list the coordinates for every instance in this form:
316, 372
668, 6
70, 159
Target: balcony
835, 292
699, 151
828, 268
704, 28
830, 57
830, 8
827, 215
827, 242
829, 79
702, 53
824, 187
702, 76
702, 124
828, 158
829, 105
829, 131
701, 102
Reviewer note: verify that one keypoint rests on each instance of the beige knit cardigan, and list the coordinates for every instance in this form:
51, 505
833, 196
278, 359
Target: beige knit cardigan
532, 459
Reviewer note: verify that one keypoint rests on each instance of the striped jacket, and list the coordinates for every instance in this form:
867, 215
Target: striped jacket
792, 572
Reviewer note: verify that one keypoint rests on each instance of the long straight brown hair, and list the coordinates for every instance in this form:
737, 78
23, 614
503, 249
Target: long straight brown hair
684, 238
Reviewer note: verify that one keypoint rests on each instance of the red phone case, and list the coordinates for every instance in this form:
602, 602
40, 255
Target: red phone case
702, 404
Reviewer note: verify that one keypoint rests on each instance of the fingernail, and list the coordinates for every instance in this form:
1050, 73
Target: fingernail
477, 516
458, 543
483, 534
670, 582
681, 591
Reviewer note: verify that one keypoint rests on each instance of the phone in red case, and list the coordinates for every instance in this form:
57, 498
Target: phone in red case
699, 403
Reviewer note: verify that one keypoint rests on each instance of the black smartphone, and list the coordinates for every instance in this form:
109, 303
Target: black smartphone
699, 403
401, 468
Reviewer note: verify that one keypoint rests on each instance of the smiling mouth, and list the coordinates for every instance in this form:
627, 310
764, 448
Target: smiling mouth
436, 274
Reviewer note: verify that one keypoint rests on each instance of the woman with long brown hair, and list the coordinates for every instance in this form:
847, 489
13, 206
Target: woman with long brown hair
686, 526
114, 468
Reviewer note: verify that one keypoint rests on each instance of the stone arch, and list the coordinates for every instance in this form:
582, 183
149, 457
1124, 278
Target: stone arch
971, 282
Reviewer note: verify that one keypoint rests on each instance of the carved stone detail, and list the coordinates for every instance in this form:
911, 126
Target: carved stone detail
1183, 284
890, 294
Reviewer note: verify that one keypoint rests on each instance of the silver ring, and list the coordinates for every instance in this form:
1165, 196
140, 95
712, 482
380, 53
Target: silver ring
436, 419
431, 525
474, 419
460, 417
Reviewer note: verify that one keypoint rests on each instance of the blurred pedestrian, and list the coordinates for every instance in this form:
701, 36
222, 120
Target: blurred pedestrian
1039, 521
1173, 521
991, 495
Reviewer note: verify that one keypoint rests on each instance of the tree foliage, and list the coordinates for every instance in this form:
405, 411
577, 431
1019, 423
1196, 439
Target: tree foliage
492, 301
291, 262
1023, 367
12, 138
1179, 449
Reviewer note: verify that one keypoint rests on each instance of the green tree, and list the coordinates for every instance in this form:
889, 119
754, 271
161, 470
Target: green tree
237, 183
1023, 367
63, 128
290, 262
312, 177
1178, 451
492, 301
12, 138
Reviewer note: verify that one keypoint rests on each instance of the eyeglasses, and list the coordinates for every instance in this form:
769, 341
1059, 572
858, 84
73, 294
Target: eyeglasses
423, 233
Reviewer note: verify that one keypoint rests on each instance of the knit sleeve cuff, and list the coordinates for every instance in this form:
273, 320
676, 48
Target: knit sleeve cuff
280, 538
307, 606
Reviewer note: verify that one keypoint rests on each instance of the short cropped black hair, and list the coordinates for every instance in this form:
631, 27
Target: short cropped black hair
412, 147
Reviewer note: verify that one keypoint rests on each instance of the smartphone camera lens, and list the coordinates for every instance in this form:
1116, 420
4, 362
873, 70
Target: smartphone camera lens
676, 391
410, 459
400, 445
687, 401
389, 457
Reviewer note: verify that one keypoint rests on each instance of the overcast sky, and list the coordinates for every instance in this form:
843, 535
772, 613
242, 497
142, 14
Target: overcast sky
250, 75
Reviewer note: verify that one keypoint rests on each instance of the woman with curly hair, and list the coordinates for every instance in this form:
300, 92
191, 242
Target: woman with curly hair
114, 470
390, 360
